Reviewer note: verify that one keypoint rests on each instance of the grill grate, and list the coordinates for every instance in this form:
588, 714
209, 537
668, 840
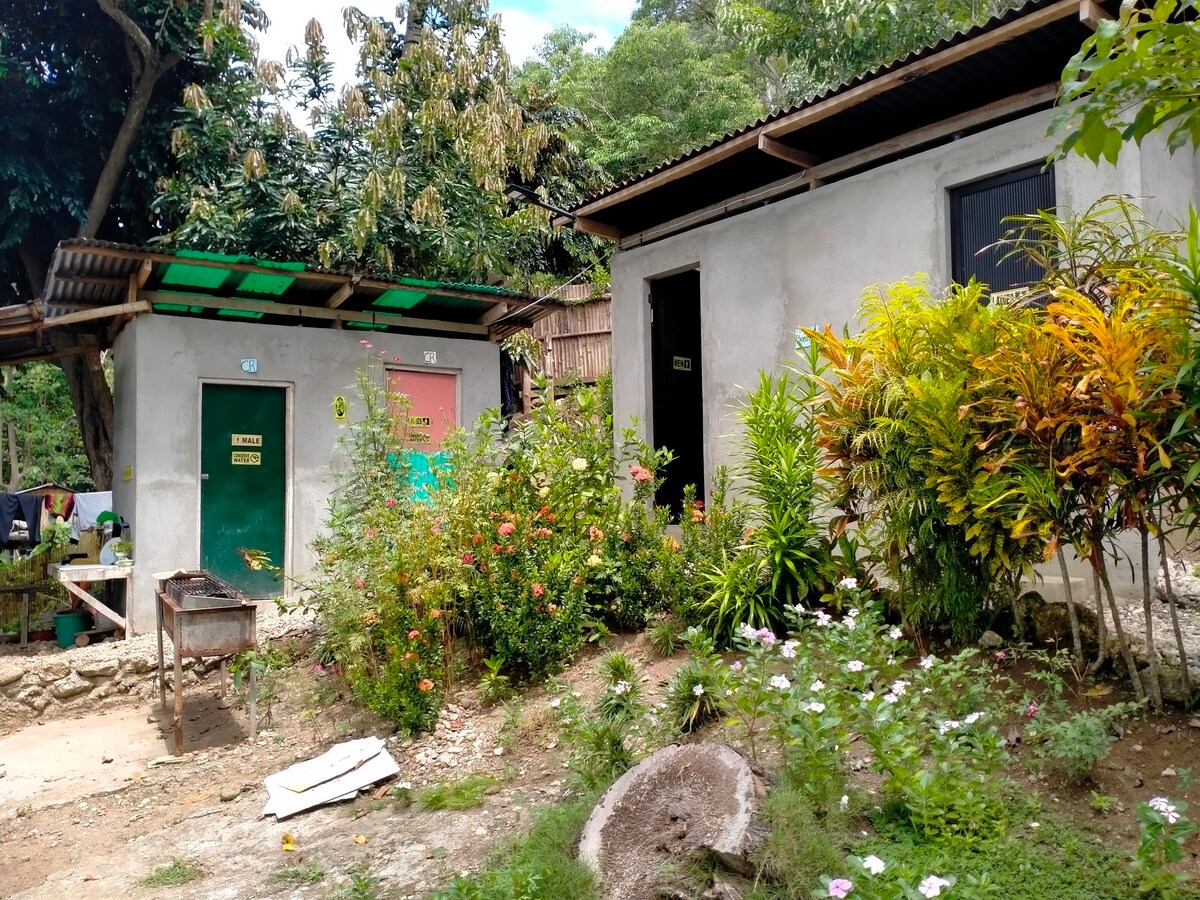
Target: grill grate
199, 584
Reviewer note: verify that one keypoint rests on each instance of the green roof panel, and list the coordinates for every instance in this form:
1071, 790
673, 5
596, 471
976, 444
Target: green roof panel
257, 283
398, 299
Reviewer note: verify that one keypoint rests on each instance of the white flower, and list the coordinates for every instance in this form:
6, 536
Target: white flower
493, 477
874, 864
890, 698
823, 618
788, 650
579, 464
844, 803
815, 707
544, 492
948, 726
817, 686
973, 718
848, 584
932, 886
927, 662
780, 682
849, 623
853, 612
405, 785
868, 696
698, 690
593, 561
621, 687
854, 666
556, 703
1166, 809
895, 634
747, 631
899, 686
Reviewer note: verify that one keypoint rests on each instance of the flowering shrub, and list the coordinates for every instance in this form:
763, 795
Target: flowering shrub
1163, 828
873, 879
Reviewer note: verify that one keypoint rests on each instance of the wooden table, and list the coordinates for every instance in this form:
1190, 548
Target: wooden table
71, 577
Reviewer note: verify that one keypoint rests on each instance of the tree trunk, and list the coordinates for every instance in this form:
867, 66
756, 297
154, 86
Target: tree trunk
1179, 645
1101, 624
1122, 644
93, 402
1155, 687
417, 12
1072, 615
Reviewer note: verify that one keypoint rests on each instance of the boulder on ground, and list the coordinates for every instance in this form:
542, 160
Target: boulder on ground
683, 802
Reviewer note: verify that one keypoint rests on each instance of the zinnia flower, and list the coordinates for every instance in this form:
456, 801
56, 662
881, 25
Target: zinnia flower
391, 501
468, 558
840, 887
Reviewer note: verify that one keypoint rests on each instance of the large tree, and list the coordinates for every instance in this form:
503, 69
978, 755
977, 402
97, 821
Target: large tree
88, 92
404, 170
657, 92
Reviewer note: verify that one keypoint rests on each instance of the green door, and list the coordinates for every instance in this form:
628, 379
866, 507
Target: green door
242, 482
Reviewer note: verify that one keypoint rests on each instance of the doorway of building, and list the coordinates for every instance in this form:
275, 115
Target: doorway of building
243, 482
678, 398
432, 414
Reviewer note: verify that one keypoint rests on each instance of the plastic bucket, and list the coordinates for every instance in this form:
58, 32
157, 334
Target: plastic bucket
69, 624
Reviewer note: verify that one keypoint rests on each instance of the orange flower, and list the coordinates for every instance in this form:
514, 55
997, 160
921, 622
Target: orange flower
414, 634
424, 685
477, 539
435, 614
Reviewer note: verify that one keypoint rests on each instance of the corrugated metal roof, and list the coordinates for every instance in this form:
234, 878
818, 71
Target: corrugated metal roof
91, 274
1032, 59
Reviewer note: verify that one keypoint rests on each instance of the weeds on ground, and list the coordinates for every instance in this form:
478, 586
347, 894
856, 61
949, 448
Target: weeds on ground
539, 866
465, 794
361, 886
178, 871
799, 846
665, 637
309, 873
1077, 743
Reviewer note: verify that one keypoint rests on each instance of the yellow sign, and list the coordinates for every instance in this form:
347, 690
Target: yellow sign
420, 437
340, 406
419, 422
244, 458
247, 440
127, 473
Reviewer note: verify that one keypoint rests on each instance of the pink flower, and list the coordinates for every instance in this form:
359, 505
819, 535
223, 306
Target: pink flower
366, 344
766, 635
507, 528
436, 529
371, 532
468, 558
1001, 656
391, 501
640, 474
1033, 709
737, 666
539, 590
360, 583
840, 887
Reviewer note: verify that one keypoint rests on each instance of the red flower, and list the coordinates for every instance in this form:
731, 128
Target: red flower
496, 548
414, 634
468, 558
424, 685
391, 501
507, 528
538, 589
477, 539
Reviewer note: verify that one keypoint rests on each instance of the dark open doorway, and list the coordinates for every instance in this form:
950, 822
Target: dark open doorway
677, 378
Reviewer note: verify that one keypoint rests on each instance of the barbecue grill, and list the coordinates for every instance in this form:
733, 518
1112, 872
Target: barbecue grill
204, 616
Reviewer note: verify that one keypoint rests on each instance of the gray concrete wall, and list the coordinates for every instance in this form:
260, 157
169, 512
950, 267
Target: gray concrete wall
160, 364
804, 261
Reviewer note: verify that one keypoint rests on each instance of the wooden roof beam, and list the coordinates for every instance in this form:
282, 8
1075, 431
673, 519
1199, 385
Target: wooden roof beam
342, 294
1091, 14
780, 150
591, 226
499, 311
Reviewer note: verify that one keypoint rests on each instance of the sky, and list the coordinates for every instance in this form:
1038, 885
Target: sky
525, 23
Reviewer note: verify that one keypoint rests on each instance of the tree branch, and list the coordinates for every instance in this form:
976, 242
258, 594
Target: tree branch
131, 29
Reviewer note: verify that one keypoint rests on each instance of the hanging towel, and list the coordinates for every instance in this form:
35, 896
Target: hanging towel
60, 503
88, 508
31, 512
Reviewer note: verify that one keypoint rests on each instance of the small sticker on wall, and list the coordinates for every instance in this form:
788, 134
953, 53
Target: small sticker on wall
340, 408
431, 357
247, 440
250, 366
682, 364
127, 473
245, 458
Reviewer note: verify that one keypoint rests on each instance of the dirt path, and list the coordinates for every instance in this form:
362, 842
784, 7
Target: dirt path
72, 825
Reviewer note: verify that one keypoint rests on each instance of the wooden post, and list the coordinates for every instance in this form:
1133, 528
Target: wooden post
178, 723
162, 674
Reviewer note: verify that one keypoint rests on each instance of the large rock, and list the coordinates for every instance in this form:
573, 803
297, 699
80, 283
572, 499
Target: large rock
681, 802
1051, 623
1185, 584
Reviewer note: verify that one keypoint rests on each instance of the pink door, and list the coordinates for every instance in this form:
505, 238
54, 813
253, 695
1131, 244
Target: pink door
433, 412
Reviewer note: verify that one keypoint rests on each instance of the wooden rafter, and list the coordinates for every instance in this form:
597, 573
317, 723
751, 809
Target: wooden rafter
779, 150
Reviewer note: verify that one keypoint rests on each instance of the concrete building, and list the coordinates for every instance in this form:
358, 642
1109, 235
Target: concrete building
234, 379
723, 253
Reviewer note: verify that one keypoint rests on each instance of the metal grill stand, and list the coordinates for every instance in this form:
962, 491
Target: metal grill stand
204, 616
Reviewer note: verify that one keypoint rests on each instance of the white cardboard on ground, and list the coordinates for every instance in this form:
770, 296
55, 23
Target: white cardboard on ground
338, 774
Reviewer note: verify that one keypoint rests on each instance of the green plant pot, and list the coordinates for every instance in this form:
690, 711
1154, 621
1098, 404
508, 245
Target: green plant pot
69, 624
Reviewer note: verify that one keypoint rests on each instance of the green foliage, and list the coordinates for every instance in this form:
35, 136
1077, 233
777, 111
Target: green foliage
825, 44
459, 795
658, 91
493, 686
39, 419
308, 873
541, 865
1076, 744
404, 171
177, 872
1163, 828
617, 667
799, 846
692, 697
1102, 803
664, 636
1135, 75
268, 667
